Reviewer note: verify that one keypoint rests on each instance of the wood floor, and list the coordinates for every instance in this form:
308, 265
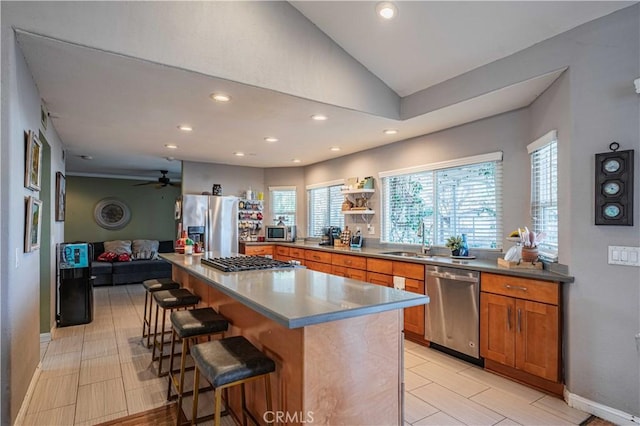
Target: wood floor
161, 416
101, 373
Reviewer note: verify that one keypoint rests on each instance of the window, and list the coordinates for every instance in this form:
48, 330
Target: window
325, 207
544, 192
283, 204
453, 197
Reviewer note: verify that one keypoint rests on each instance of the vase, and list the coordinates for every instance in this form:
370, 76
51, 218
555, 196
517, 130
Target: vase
529, 254
464, 249
455, 252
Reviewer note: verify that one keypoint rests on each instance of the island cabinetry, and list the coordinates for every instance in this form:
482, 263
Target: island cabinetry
318, 261
379, 271
413, 274
520, 329
262, 250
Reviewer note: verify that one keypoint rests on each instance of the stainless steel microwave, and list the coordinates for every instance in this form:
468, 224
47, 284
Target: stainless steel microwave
280, 233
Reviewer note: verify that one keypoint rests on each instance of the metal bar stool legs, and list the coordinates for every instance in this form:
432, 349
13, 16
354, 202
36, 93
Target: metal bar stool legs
151, 286
168, 300
188, 326
230, 362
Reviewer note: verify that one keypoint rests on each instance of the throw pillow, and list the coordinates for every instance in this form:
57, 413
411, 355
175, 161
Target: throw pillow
107, 256
124, 257
145, 249
118, 246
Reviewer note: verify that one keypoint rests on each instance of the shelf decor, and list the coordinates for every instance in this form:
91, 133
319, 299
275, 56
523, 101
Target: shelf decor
614, 187
33, 160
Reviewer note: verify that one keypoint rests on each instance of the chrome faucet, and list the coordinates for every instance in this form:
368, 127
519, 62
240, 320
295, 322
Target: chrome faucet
426, 242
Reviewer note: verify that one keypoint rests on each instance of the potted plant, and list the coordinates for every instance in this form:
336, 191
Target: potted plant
454, 243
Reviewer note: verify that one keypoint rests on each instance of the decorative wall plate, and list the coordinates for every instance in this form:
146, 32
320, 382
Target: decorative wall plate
111, 213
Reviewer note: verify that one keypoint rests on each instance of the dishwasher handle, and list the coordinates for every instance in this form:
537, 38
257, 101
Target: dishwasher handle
450, 276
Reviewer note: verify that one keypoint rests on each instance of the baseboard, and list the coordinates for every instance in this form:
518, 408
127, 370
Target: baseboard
27, 397
604, 412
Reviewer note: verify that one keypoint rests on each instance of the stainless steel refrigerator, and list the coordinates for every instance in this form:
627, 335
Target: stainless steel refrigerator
211, 219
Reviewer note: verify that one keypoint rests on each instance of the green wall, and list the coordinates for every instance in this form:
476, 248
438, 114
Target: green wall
152, 210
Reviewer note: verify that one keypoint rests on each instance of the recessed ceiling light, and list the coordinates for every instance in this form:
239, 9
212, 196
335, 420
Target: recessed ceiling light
239, 154
220, 97
170, 158
386, 10
86, 157
335, 148
296, 160
319, 117
390, 131
185, 128
271, 139
171, 146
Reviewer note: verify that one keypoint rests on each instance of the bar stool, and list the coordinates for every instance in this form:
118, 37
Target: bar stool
169, 300
188, 326
230, 362
151, 286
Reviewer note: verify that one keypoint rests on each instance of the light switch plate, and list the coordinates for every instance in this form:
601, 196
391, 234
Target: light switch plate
626, 256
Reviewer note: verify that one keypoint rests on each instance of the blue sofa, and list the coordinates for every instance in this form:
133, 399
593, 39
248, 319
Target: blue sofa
107, 273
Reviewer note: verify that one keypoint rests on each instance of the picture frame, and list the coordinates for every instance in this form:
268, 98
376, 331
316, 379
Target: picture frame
33, 224
61, 196
32, 172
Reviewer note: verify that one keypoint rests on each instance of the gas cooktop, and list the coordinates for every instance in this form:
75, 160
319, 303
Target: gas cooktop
244, 263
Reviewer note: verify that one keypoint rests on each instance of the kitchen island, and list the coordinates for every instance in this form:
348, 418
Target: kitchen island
337, 342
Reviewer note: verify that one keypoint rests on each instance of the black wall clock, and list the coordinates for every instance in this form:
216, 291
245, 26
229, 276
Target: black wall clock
614, 187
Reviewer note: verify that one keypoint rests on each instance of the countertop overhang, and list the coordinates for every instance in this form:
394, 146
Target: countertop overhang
298, 297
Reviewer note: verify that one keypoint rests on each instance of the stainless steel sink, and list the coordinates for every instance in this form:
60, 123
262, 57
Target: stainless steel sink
406, 254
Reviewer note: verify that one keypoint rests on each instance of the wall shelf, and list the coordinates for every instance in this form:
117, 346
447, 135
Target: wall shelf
358, 212
358, 191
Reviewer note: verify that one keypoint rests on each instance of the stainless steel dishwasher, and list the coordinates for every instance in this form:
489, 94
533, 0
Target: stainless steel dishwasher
452, 319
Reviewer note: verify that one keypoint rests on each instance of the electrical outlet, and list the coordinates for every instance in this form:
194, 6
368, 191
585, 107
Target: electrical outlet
371, 230
627, 256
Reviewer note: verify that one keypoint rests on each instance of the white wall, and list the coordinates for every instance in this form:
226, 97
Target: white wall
200, 177
20, 273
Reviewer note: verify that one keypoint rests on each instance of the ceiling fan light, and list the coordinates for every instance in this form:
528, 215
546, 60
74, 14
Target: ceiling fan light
386, 10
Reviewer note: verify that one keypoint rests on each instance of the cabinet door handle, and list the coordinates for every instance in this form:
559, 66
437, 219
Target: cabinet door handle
515, 287
509, 318
316, 257
519, 320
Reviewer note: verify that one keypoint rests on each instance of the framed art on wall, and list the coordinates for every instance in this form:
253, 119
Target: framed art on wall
33, 161
111, 213
61, 196
32, 224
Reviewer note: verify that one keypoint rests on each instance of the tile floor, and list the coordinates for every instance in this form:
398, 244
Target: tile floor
101, 371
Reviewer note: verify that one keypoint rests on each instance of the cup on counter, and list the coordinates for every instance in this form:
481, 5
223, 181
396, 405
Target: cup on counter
261, 238
188, 249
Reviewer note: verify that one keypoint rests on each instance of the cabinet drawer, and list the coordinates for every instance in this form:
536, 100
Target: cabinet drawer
521, 288
317, 266
258, 250
354, 274
356, 262
282, 251
296, 252
380, 279
414, 286
380, 266
318, 256
408, 270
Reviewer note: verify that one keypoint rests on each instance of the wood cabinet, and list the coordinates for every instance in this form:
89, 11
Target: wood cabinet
349, 261
281, 253
380, 266
356, 274
263, 250
318, 261
380, 279
414, 282
520, 329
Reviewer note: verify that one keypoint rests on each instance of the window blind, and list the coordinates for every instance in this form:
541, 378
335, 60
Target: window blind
325, 209
544, 194
283, 204
465, 199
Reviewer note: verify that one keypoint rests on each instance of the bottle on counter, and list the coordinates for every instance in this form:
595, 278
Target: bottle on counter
464, 248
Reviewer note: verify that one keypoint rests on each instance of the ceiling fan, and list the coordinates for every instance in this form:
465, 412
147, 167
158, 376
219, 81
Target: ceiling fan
161, 182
